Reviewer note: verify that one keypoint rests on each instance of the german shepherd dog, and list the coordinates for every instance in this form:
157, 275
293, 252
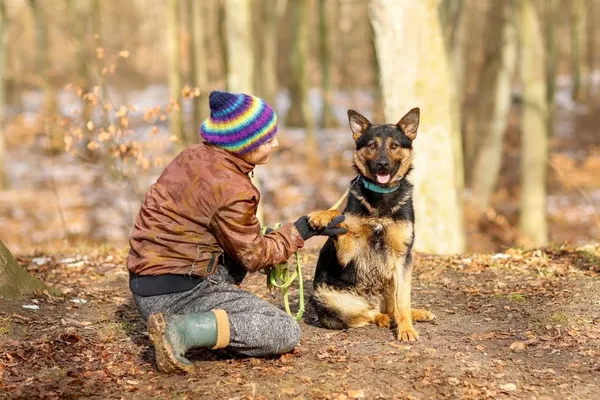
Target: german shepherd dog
364, 276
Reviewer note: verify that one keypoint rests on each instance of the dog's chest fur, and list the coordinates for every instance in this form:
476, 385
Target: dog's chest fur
382, 235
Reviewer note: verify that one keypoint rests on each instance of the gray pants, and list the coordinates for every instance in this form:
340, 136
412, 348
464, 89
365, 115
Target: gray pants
257, 328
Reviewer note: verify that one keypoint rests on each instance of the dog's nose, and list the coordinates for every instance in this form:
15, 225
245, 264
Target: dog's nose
382, 164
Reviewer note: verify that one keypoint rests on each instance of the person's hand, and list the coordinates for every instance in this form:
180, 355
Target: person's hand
332, 229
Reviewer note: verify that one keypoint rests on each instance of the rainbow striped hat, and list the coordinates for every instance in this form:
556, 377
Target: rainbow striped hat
238, 123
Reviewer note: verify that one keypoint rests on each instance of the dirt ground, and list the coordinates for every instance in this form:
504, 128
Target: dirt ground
522, 325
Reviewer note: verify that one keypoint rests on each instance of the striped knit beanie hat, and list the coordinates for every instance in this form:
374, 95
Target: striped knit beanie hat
238, 123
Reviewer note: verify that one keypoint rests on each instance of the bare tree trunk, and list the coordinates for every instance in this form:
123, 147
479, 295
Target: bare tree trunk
50, 106
240, 64
591, 43
534, 137
472, 31
173, 26
222, 34
300, 112
453, 27
268, 61
96, 12
343, 15
240, 71
15, 281
378, 112
3, 175
578, 36
493, 106
329, 120
551, 61
299, 82
198, 55
76, 23
410, 30
83, 81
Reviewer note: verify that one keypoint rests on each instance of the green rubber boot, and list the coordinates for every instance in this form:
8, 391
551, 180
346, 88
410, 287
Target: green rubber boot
174, 335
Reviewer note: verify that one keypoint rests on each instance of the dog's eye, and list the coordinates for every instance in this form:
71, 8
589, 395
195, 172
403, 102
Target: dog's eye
373, 145
394, 146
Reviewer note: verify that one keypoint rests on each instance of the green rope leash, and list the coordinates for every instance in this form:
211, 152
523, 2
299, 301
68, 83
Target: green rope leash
281, 277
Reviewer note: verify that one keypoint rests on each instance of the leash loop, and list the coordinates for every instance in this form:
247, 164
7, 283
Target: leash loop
282, 278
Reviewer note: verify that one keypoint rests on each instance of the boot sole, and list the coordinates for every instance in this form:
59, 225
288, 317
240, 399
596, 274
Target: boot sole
165, 359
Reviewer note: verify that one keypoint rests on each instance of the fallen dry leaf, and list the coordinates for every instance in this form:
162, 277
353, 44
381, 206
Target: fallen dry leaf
508, 387
356, 394
518, 346
453, 381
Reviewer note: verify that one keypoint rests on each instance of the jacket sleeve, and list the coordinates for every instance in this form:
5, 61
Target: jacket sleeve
237, 231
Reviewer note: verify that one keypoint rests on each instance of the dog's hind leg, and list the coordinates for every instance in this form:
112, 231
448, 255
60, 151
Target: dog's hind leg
344, 309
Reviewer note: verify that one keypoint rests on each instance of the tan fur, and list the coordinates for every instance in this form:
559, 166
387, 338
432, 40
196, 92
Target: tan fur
405, 156
360, 162
397, 235
357, 310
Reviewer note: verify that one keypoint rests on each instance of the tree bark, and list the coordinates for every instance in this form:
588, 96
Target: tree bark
76, 22
591, 43
578, 46
240, 64
50, 106
534, 138
327, 115
300, 112
173, 25
299, 50
198, 64
222, 35
3, 49
409, 30
493, 106
15, 281
453, 29
98, 62
268, 60
551, 61
471, 48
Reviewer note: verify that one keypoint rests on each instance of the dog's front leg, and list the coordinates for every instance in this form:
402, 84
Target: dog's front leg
402, 310
389, 298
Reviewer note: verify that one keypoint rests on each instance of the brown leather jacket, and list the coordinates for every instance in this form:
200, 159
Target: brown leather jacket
202, 205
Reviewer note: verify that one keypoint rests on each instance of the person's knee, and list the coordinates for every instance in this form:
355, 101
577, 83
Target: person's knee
290, 336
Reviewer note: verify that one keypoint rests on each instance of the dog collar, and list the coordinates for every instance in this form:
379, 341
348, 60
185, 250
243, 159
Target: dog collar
377, 188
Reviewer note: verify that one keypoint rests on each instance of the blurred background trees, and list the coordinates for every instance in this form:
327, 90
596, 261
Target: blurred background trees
96, 97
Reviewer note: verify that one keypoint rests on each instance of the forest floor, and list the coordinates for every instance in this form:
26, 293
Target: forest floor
517, 324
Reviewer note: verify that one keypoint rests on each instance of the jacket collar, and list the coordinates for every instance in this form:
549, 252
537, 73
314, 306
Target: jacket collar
244, 166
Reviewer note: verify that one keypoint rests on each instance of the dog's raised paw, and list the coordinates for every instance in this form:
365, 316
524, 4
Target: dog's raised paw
320, 219
382, 320
419, 315
406, 333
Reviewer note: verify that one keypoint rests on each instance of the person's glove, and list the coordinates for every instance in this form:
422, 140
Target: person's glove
332, 229
268, 230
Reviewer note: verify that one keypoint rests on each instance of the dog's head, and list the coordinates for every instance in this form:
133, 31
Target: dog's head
384, 153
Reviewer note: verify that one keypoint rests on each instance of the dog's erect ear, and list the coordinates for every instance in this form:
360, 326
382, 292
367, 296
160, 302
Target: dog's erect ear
358, 124
410, 123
